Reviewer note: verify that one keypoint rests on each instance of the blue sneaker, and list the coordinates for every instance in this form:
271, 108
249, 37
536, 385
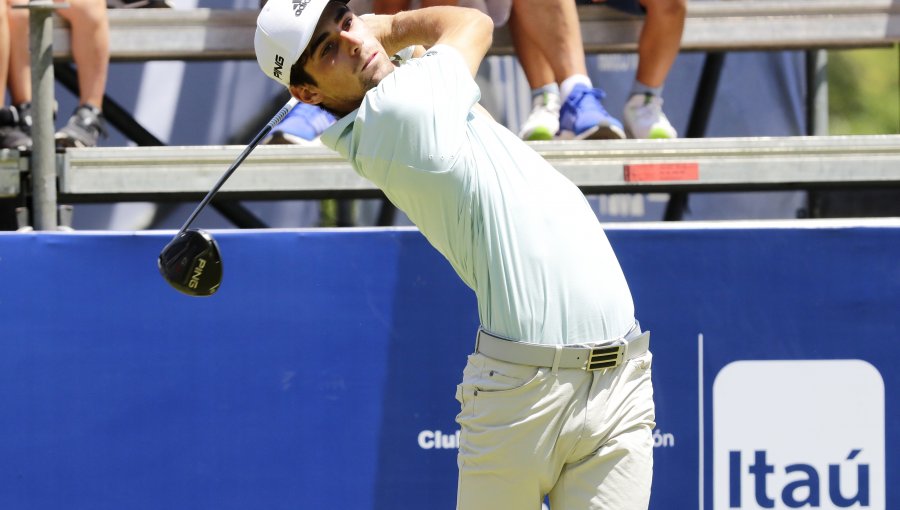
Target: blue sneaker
583, 117
302, 125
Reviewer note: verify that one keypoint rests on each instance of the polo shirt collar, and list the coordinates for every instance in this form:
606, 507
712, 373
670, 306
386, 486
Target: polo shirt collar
332, 135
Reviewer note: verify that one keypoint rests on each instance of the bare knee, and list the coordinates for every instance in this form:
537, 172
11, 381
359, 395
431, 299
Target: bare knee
90, 12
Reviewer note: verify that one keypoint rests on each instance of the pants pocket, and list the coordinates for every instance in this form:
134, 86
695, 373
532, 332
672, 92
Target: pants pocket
492, 376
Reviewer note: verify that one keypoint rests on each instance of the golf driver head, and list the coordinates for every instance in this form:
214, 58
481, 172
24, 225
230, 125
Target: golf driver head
191, 263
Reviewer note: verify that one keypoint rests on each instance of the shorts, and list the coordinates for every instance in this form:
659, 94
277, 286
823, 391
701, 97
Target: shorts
629, 6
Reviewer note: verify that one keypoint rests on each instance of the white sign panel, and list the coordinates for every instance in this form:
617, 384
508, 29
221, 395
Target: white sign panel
798, 434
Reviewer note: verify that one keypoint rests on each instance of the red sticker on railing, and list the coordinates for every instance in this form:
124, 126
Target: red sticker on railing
662, 172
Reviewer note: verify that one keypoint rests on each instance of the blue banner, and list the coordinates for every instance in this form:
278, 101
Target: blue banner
322, 373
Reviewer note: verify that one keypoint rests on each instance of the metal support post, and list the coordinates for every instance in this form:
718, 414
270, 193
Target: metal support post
43, 151
704, 99
817, 92
816, 115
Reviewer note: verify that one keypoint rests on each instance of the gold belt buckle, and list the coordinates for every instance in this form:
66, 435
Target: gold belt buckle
606, 356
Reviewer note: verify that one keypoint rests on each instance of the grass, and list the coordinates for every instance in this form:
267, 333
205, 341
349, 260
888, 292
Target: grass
864, 91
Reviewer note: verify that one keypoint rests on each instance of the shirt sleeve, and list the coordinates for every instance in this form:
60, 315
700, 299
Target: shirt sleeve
417, 115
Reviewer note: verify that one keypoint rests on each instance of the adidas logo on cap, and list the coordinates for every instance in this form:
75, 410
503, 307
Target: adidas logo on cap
299, 5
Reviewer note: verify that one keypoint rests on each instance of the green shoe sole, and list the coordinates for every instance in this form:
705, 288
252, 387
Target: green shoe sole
540, 134
659, 133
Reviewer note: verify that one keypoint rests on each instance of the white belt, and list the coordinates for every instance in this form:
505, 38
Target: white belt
585, 357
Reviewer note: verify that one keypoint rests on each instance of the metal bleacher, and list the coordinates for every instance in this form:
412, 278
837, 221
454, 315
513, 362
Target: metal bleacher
727, 25
284, 171
171, 173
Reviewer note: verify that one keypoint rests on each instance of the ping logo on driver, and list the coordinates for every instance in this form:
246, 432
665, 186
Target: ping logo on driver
198, 271
279, 65
299, 5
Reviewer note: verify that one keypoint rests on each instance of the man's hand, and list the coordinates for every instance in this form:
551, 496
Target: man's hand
468, 30
380, 26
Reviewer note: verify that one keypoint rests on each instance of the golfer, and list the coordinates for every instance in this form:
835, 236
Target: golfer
556, 398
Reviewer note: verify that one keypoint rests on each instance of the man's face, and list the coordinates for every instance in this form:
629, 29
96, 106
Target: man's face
345, 59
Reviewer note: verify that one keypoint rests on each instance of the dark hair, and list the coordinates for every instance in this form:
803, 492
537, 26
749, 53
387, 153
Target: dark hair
299, 76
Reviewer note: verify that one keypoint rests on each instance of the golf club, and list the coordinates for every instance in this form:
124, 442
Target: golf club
191, 262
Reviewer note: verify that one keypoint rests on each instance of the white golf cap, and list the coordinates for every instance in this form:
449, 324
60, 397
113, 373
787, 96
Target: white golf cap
283, 30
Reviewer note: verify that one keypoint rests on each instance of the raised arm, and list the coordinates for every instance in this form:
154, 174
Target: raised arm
470, 31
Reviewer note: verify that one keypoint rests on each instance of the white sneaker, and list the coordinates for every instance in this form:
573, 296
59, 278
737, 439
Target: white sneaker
644, 118
543, 121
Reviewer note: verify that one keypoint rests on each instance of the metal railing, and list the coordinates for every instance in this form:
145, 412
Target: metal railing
291, 171
734, 25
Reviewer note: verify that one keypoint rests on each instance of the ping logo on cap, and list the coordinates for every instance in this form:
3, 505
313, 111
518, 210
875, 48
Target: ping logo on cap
299, 5
279, 65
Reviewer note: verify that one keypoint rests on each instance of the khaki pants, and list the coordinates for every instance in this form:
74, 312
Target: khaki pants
582, 437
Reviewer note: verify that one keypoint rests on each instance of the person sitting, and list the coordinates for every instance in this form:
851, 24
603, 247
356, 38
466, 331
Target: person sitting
565, 104
90, 50
12, 119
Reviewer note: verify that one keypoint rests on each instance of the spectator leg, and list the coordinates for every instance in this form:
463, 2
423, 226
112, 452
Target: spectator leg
4, 49
19, 57
660, 40
90, 47
537, 69
553, 26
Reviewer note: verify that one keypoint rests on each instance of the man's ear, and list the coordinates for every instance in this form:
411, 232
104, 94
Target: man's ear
306, 93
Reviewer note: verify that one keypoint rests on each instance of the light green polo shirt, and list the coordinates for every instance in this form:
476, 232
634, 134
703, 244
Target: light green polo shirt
517, 232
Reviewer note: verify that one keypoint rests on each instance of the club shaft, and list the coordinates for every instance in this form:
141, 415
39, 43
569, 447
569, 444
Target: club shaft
240, 159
